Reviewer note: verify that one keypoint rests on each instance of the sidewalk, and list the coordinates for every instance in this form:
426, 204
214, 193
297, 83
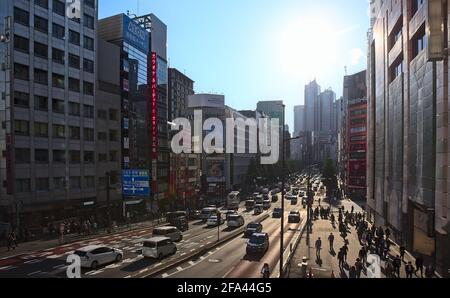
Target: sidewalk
323, 268
29, 247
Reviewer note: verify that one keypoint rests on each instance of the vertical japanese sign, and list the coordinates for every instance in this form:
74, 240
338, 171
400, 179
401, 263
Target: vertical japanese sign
154, 110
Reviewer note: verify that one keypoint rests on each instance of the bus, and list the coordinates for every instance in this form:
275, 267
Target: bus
233, 200
178, 219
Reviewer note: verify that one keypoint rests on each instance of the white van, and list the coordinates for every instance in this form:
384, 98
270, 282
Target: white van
158, 248
208, 212
170, 232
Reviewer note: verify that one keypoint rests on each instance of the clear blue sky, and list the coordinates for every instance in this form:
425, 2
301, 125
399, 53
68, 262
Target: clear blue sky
252, 50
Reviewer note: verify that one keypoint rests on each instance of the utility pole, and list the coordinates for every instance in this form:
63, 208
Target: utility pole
283, 182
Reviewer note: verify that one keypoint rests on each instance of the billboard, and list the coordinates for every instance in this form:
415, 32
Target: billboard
135, 35
153, 106
136, 183
215, 170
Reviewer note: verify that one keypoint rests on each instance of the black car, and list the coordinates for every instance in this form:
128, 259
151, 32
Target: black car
258, 243
252, 228
294, 217
277, 212
274, 198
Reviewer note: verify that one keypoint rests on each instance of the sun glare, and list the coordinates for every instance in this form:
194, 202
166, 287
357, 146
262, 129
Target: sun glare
308, 47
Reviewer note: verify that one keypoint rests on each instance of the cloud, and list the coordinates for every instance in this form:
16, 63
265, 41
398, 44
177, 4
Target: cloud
356, 56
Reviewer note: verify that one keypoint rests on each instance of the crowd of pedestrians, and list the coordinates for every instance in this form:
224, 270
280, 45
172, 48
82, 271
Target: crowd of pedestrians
373, 241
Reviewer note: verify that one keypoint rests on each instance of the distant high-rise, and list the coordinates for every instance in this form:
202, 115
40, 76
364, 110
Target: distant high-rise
312, 91
299, 119
326, 110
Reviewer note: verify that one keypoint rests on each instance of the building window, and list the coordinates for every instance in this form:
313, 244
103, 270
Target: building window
89, 181
41, 50
40, 24
21, 127
419, 41
74, 37
88, 134
58, 31
88, 88
89, 157
22, 156
41, 156
58, 81
102, 136
88, 21
22, 185
21, 72
42, 184
40, 76
21, 44
112, 156
74, 85
59, 156
21, 17
102, 157
75, 157
59, 131
58, 56
75, 182
74, 109
59, 7
358, 129
21, 99
113, 114
41, 3
40, 129
74, 132
40, 103
88, 111
416, 4
59, 183
74, 61
88, 43
101, 114
88, 65
113, 136
90, 3
396, 70
58, 106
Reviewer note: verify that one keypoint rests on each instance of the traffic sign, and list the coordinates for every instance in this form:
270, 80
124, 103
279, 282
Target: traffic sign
136, 183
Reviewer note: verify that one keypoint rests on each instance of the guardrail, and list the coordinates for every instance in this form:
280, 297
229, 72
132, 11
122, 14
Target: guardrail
202, 251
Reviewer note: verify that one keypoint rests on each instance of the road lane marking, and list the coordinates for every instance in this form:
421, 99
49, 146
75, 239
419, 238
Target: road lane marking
33, 261
192, 250
165, 275
33, 273
179, 269
59, 266
191, 263
187, 235
128, 276
54, 257
6, 268
143, 270
183, 254
209, 237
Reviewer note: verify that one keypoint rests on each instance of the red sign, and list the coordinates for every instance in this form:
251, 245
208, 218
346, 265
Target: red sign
153, 107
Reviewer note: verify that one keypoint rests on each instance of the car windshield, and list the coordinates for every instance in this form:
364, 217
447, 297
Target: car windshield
233, 217
213, 218
257, 239
150, 244
80, 253
277, 210
159, 232
253, 226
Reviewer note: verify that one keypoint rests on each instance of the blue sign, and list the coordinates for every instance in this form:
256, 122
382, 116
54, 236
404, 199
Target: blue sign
136, 183
135, 35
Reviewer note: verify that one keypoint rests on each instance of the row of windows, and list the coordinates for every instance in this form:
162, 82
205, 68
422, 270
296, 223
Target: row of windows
113, 136
59, 183
41, 129
41, 156
113, 114
22, 72
22, 99
58, 31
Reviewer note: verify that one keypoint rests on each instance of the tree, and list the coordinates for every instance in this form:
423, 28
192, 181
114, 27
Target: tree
329, 174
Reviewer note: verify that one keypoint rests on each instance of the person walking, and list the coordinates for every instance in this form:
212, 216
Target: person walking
397, 265
352, 272
402, 253
331, 240
419, 266
318, 248
345, 251
409, 269
359, 268
363, 255
341, 259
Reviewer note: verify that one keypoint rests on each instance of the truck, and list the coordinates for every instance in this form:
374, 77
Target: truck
233, 200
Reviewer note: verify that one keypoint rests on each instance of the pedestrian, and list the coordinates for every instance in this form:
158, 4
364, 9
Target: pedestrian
352, 272
409, 269
9, 242
341, 259
402, 252
429, 272
319, 201
318, 248
363, 255
353, 209
397, 265
359, 267
331, 240
345, 251
388, 233
419, 265
389, 268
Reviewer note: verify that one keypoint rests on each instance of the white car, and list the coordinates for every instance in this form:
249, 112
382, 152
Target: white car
168, 231
94, 255
235, 221
158, 247
212, 221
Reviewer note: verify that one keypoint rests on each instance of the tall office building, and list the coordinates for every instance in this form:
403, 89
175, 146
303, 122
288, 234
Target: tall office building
48, 71
299, 119
312, 91
326, 110
408, 154
144, 82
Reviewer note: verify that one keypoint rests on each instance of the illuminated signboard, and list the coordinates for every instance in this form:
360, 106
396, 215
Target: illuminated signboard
135, 35
153, 105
